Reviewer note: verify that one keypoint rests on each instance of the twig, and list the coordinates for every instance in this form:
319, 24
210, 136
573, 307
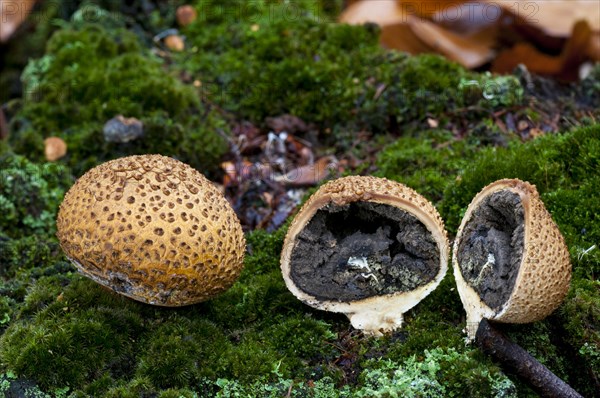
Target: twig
515, 359
3, 125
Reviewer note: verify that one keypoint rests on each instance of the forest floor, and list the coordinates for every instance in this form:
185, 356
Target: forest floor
268, 107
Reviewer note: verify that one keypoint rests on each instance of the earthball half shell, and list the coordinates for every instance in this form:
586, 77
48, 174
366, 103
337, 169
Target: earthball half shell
511, 263
152, 228
367, 247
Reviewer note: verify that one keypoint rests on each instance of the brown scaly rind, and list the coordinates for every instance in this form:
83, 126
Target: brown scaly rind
379, 314
153, 229
545, 272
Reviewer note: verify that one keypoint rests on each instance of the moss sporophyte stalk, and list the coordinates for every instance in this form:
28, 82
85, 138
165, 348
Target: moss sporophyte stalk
63, 335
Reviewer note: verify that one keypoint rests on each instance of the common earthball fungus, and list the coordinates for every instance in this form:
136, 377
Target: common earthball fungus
510, 260
152, 228
367, 247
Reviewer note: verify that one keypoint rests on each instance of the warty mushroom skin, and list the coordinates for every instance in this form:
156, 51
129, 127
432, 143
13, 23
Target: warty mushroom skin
544, 270
153, 229
381, 313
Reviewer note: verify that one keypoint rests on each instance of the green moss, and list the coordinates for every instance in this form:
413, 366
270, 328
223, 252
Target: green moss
435, 373
181, 351
557, 165
26, 253
564, 170
426, 163
62, 334
91, 74
260, 61
29, 195
71, 338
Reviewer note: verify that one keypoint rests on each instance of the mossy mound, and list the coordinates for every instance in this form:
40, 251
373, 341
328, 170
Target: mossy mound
564, 169
271, 339
89, 75
271, 58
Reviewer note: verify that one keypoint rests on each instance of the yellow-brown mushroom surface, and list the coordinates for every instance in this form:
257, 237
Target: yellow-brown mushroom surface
511, 263
368, 247
152, 228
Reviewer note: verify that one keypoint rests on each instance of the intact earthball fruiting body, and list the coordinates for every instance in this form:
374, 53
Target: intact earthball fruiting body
510, 261
367, 247
152, 228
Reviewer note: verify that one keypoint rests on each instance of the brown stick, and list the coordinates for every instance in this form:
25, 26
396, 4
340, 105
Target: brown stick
3, 125
515, 359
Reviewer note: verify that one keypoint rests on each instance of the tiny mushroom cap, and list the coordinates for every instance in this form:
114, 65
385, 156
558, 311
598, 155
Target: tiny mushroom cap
54, 148
368, 230
152, 228
185, 15
535, 281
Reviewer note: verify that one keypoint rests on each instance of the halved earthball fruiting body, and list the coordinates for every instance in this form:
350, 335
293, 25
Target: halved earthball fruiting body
152, 228
367, 247
510, 260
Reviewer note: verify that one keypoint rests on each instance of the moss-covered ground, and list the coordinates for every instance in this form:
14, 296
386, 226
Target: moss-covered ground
436, 127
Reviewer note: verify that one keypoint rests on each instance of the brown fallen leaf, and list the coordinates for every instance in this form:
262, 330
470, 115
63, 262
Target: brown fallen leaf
404, 29
381, 12
289, 123
402, 38
563, 67
54, 148
392, 18
236, 173
309, 175
468, 33
3, 125
429, 8
593, 48
12, 15
556, 17
470, 51
469, 17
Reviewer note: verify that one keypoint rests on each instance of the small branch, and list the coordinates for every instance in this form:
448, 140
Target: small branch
3, 125
515, 359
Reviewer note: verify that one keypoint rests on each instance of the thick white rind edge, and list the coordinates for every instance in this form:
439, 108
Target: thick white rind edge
474, 306
379, 314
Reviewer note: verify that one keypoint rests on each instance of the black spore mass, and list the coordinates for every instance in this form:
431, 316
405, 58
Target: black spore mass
491, 247
363, 249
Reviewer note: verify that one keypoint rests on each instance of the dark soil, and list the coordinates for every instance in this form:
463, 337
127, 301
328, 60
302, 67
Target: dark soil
491, 247
364, 249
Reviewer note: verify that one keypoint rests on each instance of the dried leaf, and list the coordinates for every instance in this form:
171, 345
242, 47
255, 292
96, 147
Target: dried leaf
3, 125
468, 32
593, 48
563, 67
429, 8
309, 175
12, 15
554, 18
390, 16
469, 17
236, 173
470, 51
403, 29
402, 38
381, 12
289, 123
